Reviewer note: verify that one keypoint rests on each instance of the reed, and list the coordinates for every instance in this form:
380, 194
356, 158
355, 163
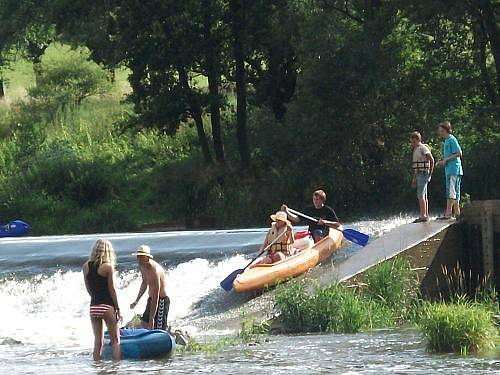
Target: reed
251, 330
461, 327
334, 308
392, 285
208, 347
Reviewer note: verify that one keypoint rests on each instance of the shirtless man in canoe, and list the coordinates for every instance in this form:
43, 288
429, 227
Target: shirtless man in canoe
153, 280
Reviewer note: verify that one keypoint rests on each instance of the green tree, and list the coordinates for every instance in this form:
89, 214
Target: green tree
65, 82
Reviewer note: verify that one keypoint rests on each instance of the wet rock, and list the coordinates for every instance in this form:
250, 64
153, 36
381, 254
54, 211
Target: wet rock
9, 341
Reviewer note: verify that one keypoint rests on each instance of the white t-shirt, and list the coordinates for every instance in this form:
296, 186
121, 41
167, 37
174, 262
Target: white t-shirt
420, 163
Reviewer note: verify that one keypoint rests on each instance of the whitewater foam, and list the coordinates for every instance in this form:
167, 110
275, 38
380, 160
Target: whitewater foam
54, 309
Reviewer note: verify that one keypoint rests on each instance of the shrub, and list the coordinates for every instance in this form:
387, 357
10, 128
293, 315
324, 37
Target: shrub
5, 121
65, 80
462, 327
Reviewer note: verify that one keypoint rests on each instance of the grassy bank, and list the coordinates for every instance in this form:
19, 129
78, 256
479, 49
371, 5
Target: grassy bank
387, 296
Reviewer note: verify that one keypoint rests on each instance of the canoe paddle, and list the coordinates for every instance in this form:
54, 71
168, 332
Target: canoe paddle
227, 283
349, 234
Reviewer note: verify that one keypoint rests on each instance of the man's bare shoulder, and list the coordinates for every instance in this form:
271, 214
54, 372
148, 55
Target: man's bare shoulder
158, 268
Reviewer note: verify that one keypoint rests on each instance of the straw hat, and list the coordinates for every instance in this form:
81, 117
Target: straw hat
143, 250
281, 216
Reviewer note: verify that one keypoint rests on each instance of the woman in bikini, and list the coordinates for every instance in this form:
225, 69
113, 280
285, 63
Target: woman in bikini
99, 280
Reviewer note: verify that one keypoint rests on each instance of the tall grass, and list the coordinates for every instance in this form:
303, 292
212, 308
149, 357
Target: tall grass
385, 297
393, 286
461, 327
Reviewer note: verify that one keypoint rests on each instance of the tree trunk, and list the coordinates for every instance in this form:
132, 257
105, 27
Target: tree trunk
238, 26
480, 41
2, 91
196, 113
213, 75
493, 32
35, 53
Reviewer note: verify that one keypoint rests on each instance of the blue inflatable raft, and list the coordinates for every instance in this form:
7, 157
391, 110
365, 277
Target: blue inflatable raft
14, 229
141, 344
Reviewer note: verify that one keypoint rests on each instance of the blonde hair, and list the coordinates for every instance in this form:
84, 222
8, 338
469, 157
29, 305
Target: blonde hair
103, 252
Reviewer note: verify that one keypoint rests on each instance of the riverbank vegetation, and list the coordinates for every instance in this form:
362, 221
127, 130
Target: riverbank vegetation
384, 298
461, 327
116, 114
387, 296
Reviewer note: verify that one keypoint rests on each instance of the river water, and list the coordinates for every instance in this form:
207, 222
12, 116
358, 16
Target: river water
45, 328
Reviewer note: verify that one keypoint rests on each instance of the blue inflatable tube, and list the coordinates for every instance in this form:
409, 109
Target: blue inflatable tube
141, 344
14, 229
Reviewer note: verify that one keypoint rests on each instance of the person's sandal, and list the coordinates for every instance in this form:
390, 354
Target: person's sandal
444, 218
420, 220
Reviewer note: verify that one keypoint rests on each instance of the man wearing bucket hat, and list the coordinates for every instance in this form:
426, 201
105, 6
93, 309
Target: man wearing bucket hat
282, 233
153, 280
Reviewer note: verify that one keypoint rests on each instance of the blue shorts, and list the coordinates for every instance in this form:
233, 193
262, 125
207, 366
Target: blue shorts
453, 187
422, 179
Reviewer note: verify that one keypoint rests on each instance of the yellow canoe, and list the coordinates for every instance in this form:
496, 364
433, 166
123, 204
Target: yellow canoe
264, 275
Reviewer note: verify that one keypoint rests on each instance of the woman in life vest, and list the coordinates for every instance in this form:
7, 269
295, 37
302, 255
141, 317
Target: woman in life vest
282, 230
99, 280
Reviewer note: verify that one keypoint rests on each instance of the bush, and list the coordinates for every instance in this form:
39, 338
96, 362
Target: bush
5, 121
462, 327
65, 80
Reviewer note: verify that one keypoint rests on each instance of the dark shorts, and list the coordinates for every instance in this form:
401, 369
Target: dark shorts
161, 313
322, 233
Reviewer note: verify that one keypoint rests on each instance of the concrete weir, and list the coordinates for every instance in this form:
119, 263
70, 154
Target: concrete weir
392, 244
449, 256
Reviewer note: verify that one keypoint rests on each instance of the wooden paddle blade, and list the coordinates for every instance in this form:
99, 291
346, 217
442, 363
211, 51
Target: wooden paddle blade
227, 283
356, 237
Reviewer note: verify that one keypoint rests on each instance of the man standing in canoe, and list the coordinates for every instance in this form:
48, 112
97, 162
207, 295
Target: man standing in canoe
320, 211
423, 166
453, 171
154, 280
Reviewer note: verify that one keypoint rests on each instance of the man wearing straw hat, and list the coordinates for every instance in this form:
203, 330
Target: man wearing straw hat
282, 233
153, 279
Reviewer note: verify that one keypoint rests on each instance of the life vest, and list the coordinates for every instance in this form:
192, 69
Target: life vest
284, 244
419, 161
